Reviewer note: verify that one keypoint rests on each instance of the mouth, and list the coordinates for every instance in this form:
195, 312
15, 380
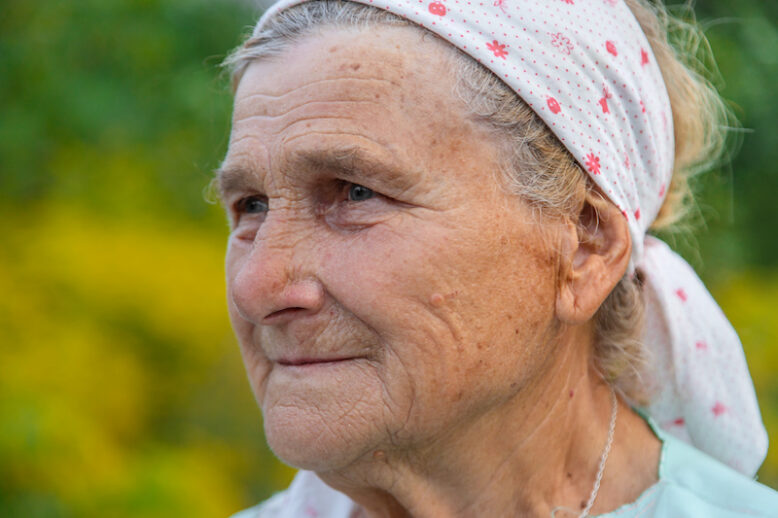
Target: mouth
311, 362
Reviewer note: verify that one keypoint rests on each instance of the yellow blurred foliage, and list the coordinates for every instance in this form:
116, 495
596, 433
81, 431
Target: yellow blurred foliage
93, 311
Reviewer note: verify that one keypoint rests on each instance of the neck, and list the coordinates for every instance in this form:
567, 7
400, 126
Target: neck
538, 451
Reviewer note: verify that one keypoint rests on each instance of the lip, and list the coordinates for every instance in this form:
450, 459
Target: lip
312, 362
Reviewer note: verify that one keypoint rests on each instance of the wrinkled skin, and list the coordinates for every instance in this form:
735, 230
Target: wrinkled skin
380, 326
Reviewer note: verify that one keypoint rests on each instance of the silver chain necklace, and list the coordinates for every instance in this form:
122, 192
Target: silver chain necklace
601, 468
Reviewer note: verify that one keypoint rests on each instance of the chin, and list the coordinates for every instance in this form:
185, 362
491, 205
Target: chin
305, 439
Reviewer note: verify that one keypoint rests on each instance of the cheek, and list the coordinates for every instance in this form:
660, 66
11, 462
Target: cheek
383, 276
458, 311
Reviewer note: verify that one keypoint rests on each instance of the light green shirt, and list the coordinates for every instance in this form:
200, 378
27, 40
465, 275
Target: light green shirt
693, 485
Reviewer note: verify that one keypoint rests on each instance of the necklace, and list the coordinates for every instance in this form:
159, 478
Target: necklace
603, 458
601, 468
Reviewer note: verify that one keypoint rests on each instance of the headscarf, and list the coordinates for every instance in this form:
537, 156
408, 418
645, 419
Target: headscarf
587, 70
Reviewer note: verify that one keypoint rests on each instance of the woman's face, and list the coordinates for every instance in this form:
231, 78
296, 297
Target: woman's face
383, 288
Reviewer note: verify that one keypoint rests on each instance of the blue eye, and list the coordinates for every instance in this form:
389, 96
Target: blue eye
359, 193
252, 205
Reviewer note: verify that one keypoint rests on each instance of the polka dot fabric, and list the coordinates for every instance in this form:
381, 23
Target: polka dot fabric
586, 68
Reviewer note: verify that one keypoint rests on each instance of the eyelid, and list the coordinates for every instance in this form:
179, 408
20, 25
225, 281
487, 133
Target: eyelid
239, 205
346, 185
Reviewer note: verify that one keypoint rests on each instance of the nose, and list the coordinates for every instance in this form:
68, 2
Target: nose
274, 282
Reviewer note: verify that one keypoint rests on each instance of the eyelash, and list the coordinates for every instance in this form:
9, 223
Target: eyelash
241, 206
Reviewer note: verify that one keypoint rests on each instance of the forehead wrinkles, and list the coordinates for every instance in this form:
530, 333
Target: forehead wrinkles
346, 101
291, 101
340, 66
269, 103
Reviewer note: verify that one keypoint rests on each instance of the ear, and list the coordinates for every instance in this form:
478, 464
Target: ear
595, 256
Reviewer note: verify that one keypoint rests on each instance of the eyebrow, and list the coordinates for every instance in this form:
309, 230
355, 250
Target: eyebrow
351, 164
232, 178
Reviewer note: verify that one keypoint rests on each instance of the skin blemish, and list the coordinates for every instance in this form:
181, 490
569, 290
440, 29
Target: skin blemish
571, 393
379, 455
355, 66
437, 300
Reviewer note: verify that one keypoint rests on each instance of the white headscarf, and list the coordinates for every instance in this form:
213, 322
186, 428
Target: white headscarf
586, 68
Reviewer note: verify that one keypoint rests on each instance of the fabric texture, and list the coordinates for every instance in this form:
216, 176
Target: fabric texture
690, 484
586, 68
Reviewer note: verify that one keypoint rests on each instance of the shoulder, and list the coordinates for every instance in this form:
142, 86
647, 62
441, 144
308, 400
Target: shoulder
306, 496
695, 485
707, 483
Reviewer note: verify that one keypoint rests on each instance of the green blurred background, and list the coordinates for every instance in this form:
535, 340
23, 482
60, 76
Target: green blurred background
121, 389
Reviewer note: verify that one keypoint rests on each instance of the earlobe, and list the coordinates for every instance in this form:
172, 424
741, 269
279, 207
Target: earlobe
595, 256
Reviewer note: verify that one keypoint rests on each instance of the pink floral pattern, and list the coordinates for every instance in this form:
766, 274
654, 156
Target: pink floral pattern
498, 49
562, 42
553, 105
593, 163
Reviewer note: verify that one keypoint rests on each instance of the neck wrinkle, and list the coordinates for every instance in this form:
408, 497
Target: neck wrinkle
537, 451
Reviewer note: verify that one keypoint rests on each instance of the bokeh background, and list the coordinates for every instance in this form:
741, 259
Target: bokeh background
121, 388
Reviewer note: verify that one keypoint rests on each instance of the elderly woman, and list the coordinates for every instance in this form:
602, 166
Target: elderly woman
439, 274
